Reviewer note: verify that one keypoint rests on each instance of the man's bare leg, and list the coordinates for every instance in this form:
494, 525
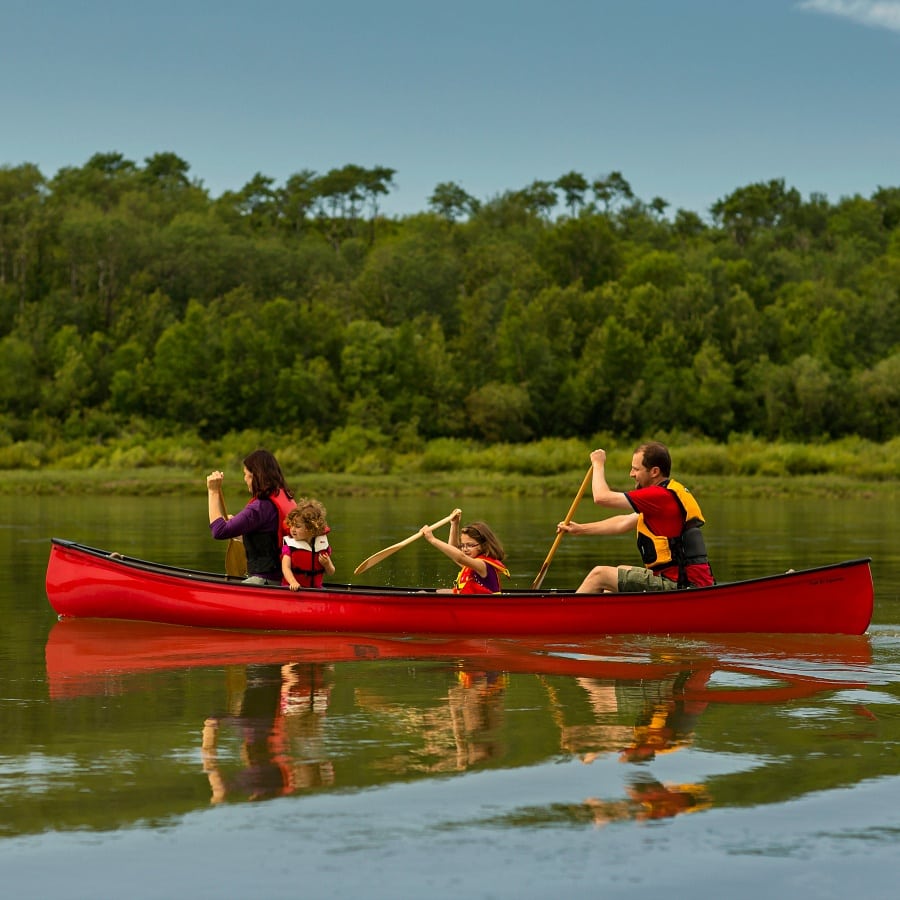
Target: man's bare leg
601, 579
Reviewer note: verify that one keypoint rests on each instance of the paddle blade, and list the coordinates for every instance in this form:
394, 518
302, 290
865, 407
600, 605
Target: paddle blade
235, 554
236, 559
376, 558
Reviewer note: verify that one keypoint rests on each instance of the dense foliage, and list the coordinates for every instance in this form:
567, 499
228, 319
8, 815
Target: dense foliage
132, 299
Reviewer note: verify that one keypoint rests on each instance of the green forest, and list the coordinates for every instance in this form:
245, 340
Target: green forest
135, 307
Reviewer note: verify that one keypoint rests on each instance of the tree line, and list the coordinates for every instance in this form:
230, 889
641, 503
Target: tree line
130, 295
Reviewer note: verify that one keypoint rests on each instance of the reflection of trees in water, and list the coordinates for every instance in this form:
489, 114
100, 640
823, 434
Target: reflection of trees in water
464, 732
277, 714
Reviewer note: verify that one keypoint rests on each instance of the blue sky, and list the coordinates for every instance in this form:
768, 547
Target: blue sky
688, 99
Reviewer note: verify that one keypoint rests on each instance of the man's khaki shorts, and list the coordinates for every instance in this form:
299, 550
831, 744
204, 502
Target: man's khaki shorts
636, 579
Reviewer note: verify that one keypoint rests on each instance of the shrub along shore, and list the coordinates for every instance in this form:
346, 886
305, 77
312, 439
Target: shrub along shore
358, 464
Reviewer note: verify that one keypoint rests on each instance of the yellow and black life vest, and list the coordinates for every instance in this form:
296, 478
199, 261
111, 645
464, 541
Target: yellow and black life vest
688, 548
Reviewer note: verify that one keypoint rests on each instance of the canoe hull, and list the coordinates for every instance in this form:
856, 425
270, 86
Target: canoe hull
84, 582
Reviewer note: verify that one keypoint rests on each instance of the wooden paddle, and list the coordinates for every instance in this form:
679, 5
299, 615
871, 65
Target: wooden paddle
376, 558
539, 580
235, 554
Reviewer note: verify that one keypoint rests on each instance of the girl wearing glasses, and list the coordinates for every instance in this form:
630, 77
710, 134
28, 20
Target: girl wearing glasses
478, 553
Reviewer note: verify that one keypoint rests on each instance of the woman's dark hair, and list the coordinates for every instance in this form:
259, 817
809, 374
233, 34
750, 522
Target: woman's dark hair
481, 533
267, 477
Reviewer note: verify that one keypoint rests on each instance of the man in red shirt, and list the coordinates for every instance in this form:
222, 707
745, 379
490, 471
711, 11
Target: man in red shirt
667, 520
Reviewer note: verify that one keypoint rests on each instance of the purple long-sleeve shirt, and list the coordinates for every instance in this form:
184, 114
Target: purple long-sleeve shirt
255, 516
257, 524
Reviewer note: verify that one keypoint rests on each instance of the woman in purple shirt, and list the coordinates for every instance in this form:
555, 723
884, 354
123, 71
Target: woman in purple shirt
260, 523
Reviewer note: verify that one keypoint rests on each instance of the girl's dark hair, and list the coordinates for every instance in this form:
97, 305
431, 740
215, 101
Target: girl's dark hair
481, 533
267, 477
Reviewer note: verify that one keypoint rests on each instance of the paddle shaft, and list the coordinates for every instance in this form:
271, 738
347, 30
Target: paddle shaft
376, 558
539, 580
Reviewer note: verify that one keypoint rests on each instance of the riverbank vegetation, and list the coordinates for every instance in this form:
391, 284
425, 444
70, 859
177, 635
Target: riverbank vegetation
145, 325
358, 463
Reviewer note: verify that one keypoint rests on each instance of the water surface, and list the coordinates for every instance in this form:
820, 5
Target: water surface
159, 761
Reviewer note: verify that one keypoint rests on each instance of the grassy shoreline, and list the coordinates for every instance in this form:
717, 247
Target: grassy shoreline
165, 481
360, 463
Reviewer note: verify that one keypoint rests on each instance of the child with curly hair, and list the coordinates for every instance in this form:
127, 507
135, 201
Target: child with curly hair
306, 553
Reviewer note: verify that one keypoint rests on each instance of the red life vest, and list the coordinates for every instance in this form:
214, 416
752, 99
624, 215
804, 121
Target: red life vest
305, 564
470, 582
284, 505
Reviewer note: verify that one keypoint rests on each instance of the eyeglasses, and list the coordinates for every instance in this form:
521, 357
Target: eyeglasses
469, 546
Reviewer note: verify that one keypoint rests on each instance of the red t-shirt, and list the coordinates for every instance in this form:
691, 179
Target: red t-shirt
661, 510
662, 514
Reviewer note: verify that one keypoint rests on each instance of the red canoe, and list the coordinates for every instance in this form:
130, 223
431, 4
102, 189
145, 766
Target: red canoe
83, 582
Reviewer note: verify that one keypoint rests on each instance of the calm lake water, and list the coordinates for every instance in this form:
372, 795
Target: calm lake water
146, 761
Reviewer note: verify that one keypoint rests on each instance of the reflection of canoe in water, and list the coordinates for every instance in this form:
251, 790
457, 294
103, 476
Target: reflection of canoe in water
88, 656
84, 582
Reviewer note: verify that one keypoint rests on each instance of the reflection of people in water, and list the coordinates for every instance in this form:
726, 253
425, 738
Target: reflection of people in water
279, 723
476, 709
669, 725
661, 801
635, 718
305, 694
650, 799
461, 732
592, 731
